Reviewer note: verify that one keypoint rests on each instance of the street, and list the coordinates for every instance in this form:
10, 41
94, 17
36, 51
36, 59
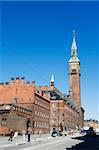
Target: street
42, 143
47, 142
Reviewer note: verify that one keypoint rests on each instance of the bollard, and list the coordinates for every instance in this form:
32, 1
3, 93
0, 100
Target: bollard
23, 136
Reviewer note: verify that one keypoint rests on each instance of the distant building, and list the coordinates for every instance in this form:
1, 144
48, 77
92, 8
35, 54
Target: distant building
91, 123
43, 108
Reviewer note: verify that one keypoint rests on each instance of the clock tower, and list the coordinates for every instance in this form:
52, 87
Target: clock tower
74, 73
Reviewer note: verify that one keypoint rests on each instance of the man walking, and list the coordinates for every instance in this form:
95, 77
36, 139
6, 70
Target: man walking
11, 135
29, 132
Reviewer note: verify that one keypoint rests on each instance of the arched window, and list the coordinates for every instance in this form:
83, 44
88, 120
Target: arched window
3, 122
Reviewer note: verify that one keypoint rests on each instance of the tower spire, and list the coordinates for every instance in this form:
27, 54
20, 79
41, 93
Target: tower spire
74, 56
52, 80
74, 46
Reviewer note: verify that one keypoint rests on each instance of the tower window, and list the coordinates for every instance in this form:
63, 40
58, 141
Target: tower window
73, 71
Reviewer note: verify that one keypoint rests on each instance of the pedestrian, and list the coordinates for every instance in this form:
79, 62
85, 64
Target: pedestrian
16, 134
11, 135
40, 132
29, 132
71, 132
16, 137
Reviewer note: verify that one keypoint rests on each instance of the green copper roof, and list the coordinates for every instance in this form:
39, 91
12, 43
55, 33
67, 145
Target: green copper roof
52, 78
73, 59
74, 56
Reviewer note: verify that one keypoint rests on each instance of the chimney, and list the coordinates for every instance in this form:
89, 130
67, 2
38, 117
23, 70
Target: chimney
27, 83
1, 85
6, 84
22, 81
17, 80
33, 83
12, 81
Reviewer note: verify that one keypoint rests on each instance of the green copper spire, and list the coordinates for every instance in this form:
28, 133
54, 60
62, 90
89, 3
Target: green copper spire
52, 80
74, 56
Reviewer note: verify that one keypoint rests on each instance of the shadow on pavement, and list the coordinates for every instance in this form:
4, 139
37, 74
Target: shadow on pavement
89, 143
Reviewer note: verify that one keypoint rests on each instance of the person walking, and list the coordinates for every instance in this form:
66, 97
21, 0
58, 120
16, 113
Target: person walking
16, 137
29, 132
11, 135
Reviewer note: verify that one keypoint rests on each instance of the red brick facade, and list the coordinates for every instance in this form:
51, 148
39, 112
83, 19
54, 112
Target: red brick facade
21, 106
74, 78
63, 112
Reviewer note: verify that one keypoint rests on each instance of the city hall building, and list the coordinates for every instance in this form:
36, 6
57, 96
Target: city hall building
43, 108
21, 107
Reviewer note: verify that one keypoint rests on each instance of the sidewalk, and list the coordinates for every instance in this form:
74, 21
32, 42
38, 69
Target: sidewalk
20, 140
34, 138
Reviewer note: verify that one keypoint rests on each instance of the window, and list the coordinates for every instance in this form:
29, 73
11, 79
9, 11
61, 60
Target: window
53, 105
16, 91
74, 71
16, 108
3, 122
15, 100
35, 124
42, 93
13, 108
21, 110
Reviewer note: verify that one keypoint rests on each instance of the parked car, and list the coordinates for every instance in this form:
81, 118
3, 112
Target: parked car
84, 132
56, 133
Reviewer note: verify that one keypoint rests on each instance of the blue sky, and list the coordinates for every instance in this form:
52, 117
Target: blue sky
36, 42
